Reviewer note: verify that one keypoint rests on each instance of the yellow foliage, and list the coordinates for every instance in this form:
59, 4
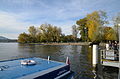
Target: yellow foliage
109, 34
93, 25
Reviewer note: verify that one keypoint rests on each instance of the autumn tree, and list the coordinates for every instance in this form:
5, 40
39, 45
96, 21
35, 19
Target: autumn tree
109, 34
91, 27
95, 23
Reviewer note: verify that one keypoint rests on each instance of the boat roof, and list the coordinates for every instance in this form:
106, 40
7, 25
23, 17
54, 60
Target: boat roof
13, 68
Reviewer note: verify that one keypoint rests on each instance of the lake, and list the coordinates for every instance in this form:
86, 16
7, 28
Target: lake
80, 58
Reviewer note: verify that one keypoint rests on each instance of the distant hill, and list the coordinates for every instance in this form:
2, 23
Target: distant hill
4, 39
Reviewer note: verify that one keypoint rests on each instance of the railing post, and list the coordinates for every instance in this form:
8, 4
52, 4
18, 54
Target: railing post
107, 46
101, 56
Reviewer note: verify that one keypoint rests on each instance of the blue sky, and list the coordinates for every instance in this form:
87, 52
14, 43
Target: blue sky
17, 15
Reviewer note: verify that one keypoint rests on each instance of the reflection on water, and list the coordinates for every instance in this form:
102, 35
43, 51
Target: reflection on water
80, 58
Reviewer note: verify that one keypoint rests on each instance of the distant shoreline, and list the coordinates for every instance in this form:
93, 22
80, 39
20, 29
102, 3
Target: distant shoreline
69, 43
79, 43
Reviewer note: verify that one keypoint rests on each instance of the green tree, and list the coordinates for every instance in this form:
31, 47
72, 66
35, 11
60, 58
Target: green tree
83, 28
32, 31
39, 37
50, 33
56, 34
23, 38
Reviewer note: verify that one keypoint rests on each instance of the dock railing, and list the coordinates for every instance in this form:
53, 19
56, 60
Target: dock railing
109, 58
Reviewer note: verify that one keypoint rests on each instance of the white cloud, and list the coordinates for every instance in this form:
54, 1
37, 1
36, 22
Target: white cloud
19, 14
9, 24
10, 35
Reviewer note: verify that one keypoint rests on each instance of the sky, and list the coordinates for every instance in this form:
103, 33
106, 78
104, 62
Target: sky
17, 15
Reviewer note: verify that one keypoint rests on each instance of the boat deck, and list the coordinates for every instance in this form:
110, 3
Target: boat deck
13, 69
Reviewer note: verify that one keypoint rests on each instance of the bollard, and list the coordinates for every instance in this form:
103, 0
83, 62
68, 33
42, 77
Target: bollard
48, 58
107, 46
95, 55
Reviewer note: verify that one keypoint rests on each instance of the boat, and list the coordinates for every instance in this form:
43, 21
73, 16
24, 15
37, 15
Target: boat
35, 68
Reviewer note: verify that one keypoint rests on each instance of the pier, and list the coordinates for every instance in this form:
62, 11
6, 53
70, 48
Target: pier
110, 58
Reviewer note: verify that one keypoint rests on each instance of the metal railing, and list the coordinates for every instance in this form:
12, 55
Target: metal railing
104, 56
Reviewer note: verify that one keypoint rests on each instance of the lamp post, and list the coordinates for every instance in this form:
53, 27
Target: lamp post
119, 51
119, 44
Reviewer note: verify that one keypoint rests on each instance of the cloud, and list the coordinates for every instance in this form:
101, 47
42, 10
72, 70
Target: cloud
10, 35
11, 25
17, 15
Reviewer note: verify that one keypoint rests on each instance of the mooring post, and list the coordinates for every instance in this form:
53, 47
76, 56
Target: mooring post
95, 55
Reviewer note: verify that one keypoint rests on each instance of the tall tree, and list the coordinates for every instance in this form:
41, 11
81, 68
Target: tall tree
93, 23
91, 27
32, 31
74, 31
103, 22
83, 28
103, 18
116, 21
50, 33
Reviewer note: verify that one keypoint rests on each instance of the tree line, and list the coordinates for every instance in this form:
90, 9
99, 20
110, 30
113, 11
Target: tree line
45, 33
92, 28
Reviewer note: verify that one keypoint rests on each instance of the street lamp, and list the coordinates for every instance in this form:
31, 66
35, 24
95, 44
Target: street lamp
119, 50
119, 43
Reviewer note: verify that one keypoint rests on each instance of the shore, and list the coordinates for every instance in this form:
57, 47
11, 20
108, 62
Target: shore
78, 43
69, 43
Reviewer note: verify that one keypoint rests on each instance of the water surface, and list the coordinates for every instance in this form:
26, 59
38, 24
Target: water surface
80, 58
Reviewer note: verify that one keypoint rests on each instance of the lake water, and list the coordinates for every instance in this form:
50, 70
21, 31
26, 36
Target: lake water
80, 58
